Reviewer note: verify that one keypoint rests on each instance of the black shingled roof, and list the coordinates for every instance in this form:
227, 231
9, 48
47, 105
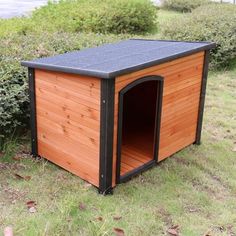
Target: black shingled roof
111, 60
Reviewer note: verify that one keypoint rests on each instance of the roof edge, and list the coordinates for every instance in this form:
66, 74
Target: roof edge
112, 75
209, 43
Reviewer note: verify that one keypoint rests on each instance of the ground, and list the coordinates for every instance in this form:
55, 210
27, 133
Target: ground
192, 193
194, 190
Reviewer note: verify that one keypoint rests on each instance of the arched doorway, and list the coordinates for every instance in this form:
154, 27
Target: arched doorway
138, 126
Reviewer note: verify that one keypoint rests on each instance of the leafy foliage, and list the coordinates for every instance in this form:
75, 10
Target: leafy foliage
14, 103
53, 29
216, 23
99, 16
183, 5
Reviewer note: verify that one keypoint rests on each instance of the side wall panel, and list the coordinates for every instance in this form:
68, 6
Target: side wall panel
181, 93
68, 122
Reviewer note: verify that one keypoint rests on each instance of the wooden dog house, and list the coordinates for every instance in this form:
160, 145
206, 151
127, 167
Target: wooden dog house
110, 112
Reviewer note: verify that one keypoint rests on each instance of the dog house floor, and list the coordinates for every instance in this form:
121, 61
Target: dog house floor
137, 150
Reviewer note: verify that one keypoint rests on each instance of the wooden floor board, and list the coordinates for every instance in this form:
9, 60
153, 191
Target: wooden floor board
136, 151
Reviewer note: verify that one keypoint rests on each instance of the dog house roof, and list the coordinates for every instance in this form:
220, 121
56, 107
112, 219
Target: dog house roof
114, 59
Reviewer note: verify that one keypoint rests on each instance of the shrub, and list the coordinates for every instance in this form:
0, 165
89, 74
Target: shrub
216, 23
183, 5
102, 16
14, 104
54, 29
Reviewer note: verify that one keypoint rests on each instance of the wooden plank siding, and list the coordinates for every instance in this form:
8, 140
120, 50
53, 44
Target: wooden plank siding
68, 121
181, 93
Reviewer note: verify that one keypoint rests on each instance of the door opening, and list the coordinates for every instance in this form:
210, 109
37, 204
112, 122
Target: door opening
138, 132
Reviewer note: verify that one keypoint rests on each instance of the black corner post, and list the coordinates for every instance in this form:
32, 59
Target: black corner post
106, 135
202, 97
33, 123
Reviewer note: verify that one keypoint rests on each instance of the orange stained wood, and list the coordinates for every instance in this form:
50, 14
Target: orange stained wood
181, 93
132, 158
136, 151
68, 121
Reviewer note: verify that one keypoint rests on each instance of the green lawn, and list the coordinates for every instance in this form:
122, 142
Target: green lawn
195, 189
165, 15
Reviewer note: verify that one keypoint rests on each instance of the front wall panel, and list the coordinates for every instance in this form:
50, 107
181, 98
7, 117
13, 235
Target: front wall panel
68, 121
181, 93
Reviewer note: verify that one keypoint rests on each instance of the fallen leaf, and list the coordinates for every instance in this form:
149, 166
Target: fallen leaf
16, 158
82, 206
117, 217
18, 176
207, 234
8, 231
31, 204
174, 230
99, 218
27, 178
175, 227
119, 232
32, 209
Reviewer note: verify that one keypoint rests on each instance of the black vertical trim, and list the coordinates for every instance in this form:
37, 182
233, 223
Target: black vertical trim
202, 97
106, 135
160, 80
33, 121
158, 117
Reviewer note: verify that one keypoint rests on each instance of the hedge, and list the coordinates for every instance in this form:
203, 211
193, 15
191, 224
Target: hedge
183, 5
98, 16
58, 28
215, 23
14, 103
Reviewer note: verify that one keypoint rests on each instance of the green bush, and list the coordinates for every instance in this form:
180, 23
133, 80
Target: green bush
215, 23
14, 104
57, 28
100, 16
183, 5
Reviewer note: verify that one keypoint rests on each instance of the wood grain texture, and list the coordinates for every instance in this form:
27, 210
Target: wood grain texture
68, 122
181, 93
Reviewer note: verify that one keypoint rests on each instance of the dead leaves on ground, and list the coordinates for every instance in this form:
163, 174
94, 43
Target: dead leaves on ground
119, 232
31, 205
16, 158
173, 230
18, 176
99, 218
117, 217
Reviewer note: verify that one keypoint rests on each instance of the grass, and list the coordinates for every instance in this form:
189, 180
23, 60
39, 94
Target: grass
195, 189
165, 15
